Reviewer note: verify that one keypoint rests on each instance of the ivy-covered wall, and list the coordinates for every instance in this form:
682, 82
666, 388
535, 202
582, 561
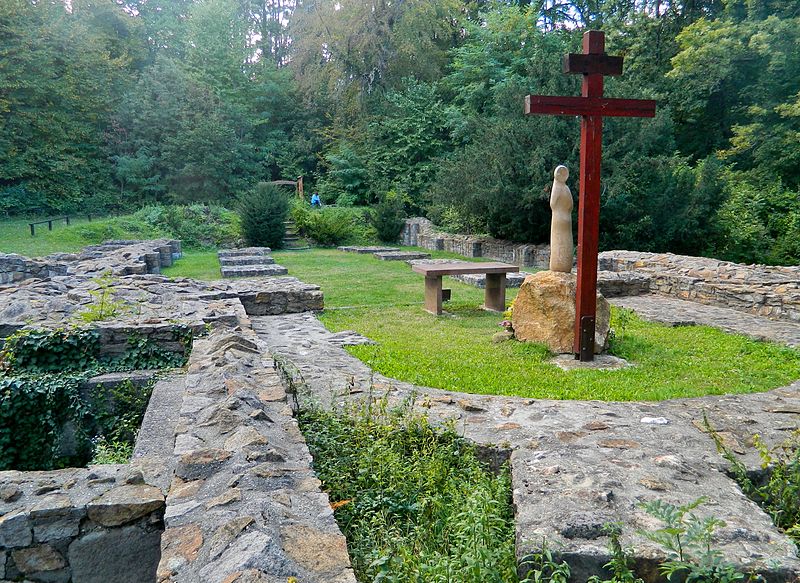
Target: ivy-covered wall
50, 417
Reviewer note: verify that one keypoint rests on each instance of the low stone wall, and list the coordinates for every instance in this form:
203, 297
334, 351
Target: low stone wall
15, 268
89, 525
245, 504
420, 232
768, 291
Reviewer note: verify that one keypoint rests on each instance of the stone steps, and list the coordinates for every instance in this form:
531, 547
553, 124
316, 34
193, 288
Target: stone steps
401, 255
244, 252
249, 262
365, 250
235, 260
253, 270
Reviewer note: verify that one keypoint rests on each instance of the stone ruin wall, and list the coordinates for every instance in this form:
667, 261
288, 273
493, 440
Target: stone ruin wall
118, 257
92, 525
769, 291
15, 268
221, 485
420, 232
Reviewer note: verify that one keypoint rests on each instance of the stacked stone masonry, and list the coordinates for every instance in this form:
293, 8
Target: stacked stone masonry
420, 232
772, 292
87, 525
248, 262
219, 461
244, 504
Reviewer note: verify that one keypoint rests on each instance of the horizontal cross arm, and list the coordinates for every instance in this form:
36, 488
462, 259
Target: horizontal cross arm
602, 106
592, 64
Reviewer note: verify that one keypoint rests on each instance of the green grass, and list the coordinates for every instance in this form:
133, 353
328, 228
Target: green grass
383, 300
15, 235
414, 502
352, 280
456, 352
202, 265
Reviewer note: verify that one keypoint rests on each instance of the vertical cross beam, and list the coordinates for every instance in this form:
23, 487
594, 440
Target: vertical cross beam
589, 207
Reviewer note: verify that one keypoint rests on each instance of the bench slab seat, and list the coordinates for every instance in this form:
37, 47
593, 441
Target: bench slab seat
495, 291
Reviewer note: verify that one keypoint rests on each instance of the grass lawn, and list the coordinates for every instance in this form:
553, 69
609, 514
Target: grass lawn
202, 265
383, 300
15, 235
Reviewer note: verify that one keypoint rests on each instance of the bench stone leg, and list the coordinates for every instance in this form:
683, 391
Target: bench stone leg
433, 294
495, 295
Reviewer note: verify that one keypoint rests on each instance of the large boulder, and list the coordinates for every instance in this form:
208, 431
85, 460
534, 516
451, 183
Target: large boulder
544, 311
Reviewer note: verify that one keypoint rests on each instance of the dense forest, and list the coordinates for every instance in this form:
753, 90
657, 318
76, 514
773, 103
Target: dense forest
108, 105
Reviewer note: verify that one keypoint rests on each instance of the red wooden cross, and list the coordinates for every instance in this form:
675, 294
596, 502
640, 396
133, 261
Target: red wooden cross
593, 64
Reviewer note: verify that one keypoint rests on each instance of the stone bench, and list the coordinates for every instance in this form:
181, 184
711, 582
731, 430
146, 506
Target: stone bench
495, 290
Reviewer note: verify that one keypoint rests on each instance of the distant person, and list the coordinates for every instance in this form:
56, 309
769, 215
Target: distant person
315, 201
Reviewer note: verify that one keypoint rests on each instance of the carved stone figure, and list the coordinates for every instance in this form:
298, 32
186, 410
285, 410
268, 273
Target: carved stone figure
561, 248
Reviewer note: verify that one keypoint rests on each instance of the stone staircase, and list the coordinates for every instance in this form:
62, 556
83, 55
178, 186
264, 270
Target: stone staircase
248, 262
291, 238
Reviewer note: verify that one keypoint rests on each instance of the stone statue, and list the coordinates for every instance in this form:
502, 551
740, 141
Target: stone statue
561, 225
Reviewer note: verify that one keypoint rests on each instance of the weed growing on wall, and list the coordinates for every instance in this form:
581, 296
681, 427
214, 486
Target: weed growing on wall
105, 306
414, 502
777, 491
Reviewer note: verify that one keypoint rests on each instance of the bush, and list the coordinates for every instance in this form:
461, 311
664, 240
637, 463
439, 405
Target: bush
332, 226
196, 225
387, 217
263, 213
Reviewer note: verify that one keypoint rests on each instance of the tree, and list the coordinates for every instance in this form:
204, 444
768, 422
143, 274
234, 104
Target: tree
60, 77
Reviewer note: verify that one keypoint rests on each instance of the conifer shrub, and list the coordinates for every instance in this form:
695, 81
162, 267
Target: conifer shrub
263, 212
387, 217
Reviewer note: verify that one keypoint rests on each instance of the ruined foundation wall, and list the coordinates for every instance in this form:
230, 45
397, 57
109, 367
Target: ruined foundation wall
92, 525
420, 232
15, 268
771, 291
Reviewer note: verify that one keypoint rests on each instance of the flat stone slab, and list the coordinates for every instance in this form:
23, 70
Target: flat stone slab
235, 260
600, 362
253, 271
577, 465
675, 312
349, 338
401, 255
244, 252
479, 279
364, 250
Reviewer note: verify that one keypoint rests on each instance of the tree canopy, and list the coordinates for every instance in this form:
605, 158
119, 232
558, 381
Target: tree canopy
111, 104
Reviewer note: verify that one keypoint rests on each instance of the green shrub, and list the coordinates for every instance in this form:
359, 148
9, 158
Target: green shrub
263, 213
414, 502
196, 225
333, 225
388, 218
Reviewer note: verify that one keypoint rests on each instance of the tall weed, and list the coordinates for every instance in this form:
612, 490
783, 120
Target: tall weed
415, 503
